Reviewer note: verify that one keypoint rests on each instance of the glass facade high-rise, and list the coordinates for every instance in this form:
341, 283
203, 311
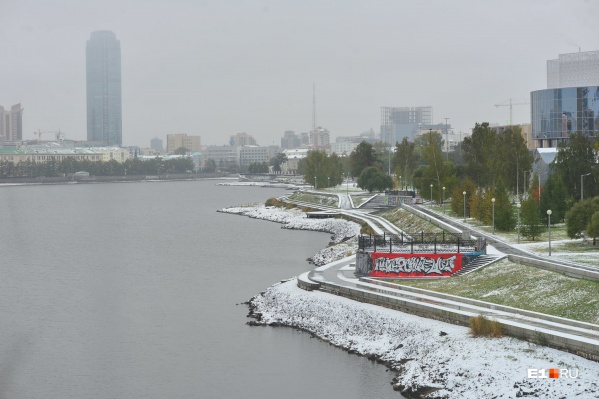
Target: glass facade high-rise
557, 113
104, 106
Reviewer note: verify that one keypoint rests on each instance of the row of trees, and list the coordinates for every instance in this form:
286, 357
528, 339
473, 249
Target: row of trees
55, 168
495, 165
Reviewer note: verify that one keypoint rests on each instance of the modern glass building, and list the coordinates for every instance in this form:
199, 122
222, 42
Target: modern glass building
104, 108
557, 113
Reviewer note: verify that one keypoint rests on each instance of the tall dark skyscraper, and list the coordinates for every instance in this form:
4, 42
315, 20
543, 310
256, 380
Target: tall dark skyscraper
104, 108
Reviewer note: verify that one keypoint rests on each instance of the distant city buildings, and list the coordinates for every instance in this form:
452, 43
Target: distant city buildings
525, 131
42, 154
256, 154
157, 145
178, 140
222, 155
11, 124
290, 140
343, 148
570, 103
241, 139
113, 154
320, 138
103, 78
400, 122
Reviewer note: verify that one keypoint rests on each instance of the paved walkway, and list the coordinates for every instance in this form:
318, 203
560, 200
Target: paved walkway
560, 332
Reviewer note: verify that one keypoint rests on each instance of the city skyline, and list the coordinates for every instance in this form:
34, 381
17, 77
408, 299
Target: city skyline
215, 69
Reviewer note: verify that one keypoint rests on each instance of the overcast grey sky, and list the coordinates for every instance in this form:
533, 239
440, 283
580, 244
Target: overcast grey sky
215, 68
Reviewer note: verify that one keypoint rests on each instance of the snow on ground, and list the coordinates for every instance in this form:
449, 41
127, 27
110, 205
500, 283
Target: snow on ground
262, 184
428, 353
296, 219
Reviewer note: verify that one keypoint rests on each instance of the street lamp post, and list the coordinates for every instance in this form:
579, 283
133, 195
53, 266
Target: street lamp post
493, 202
431, 194
464, 205
347, 185
329, 181
524, 183
315, 185
400, 182
549, 228
443, 201
518, 205
581, 188
446, 139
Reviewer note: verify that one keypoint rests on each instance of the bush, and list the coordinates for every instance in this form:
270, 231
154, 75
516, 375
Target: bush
272, 201
480, 326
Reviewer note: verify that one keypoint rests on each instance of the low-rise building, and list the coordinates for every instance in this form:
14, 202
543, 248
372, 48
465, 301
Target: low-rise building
255, 154
113, 153
178, 140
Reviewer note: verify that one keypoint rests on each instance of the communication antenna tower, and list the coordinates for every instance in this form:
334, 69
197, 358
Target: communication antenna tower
313, 106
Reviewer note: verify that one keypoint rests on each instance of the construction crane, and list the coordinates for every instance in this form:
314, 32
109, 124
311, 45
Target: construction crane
57, 134
509, 104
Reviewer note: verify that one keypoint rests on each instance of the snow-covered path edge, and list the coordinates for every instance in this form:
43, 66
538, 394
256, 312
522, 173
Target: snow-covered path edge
432, 359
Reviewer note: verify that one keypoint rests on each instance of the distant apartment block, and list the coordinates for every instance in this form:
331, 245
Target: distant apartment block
344, 148
11, 123
290, 140
256, 154
222, 154
174, 141
305, 137
525, 131
400, 122
320, 138
157, 145
241, 139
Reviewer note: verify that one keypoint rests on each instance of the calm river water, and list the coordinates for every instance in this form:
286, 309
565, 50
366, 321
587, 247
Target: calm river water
134, 290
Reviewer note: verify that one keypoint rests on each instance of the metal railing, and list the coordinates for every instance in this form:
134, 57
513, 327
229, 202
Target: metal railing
419, 243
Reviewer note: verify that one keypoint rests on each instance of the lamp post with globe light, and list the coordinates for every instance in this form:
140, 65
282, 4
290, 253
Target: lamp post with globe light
443, 200
464, 205
431, 194
549, 228
493, 202
518, 205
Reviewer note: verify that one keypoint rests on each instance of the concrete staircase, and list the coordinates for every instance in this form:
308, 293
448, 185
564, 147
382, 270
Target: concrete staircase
478, 262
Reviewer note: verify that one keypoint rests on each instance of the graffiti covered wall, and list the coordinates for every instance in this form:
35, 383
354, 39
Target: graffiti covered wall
414, 265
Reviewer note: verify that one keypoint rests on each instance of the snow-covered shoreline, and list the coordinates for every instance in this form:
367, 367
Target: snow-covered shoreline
341, 230
432, 359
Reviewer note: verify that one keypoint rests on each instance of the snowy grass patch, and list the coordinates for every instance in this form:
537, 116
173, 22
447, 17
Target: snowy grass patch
523, 287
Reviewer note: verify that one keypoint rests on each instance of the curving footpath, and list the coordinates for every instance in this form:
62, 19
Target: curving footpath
338, 278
